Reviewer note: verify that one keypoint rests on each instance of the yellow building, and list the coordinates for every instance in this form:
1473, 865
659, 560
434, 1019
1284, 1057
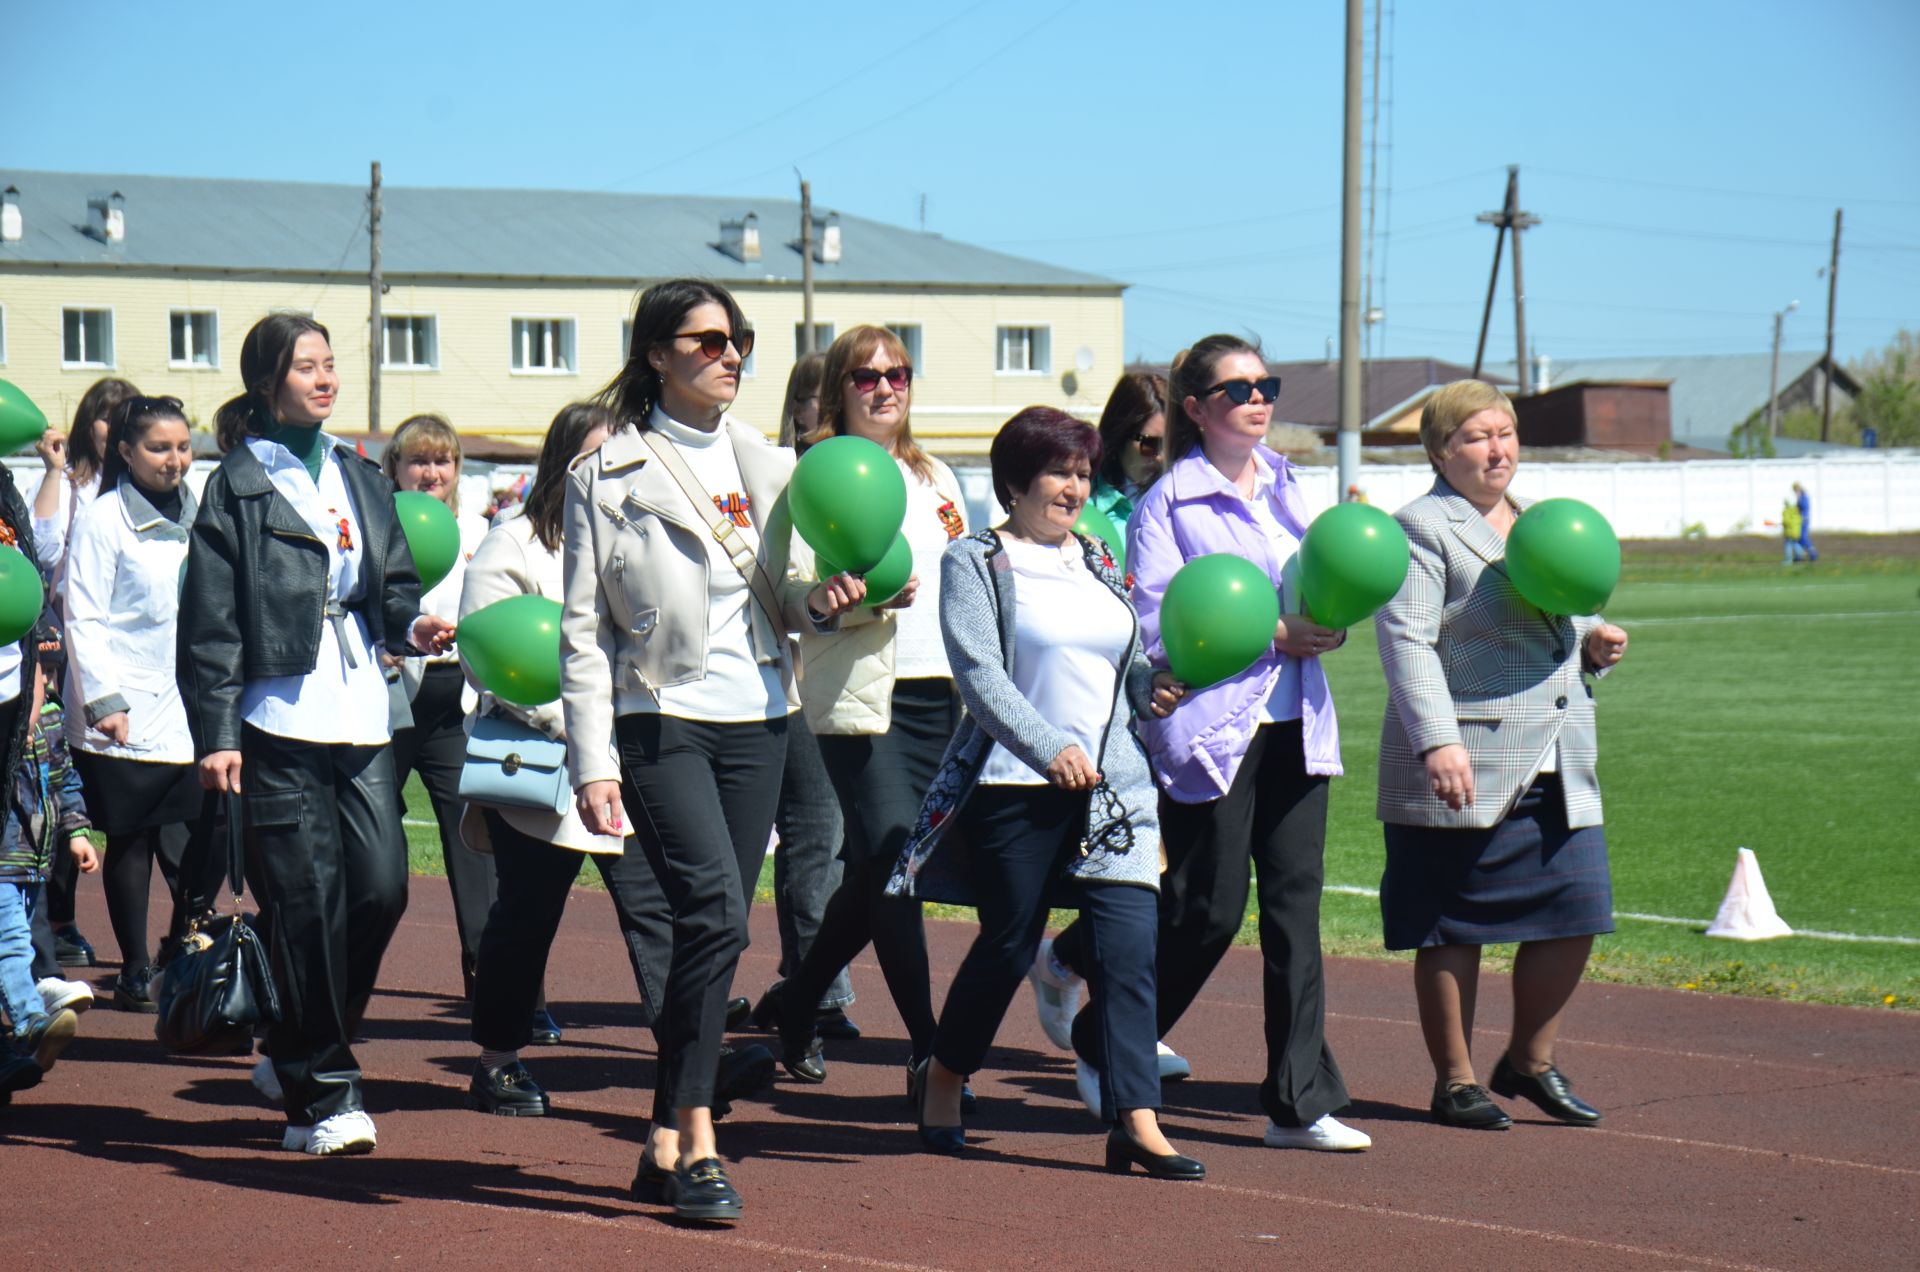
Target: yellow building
503, 305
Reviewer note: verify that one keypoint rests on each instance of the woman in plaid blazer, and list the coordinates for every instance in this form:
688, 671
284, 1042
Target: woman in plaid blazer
1487, 786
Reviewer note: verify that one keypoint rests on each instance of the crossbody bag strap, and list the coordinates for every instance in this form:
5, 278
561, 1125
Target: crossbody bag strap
739, 552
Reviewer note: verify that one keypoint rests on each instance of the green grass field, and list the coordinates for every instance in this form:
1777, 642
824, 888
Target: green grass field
1776, 709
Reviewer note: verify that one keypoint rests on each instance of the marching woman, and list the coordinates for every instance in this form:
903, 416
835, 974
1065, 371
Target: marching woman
1488, 791
880, 699
297, 573
1044, 796
1133, 440
1243, 765
126, 724
425, 456
673, 648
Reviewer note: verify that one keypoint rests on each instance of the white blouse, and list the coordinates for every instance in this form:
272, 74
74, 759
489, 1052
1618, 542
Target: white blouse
919, 651
1069, 634
1283, 700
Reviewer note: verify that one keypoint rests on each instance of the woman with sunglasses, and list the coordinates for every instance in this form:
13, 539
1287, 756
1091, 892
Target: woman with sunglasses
1243, 765
880, 698
297, 574
1133, 437
677, 680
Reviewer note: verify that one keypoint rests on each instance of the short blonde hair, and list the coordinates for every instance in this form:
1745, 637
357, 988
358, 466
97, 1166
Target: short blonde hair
1452, 407
425, 435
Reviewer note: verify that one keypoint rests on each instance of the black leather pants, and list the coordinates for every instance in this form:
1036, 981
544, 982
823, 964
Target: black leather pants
323, 828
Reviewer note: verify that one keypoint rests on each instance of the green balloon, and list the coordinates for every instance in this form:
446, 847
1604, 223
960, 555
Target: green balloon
1217, 618
431, 532
1353, 561
848, 501
1098, 524
884, 580
1563, 556
21, 422
22, 595
513, 648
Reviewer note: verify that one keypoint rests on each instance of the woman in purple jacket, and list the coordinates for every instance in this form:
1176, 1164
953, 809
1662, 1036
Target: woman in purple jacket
1243, 765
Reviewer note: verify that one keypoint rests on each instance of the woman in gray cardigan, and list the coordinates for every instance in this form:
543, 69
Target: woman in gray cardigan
1044, 797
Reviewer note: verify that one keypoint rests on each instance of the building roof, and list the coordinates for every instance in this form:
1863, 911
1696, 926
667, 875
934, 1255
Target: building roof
296, 227
1310, 391
1709, 394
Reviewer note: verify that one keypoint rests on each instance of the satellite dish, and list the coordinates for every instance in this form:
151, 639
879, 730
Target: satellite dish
1083, 360
1070, 384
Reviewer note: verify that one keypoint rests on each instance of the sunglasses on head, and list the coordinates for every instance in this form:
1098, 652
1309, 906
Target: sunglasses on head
866, 379
714, 343
1149, 446
1240, 392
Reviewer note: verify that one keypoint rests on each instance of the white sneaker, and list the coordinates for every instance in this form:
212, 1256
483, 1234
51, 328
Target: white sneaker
1056, 997
343, 1134
69, 995
1173, 1066
1327, 1135
1087, 1078
266, 1081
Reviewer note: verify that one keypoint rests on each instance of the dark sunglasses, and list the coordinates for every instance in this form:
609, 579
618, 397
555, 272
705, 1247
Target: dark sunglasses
866, 379
1149, 446
1240, 392
714, 343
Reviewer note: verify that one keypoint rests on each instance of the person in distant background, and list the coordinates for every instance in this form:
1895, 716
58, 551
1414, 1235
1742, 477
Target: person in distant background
1790, 527
1806, 522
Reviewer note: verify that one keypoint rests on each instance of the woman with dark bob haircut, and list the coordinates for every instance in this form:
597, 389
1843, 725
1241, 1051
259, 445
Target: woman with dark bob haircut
1133, 440
1044, 797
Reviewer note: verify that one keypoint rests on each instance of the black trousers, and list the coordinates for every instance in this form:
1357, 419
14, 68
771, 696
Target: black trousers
881, 781
534, 879
806, 859
436, 748
63, 882
1020, 841
701, 796
1273, 821
323, 828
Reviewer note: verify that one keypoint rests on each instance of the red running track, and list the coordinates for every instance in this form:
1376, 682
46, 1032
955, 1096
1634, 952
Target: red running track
1739, 1135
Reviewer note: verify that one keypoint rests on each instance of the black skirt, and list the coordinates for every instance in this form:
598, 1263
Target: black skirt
881, 778
125, 796
1531, 878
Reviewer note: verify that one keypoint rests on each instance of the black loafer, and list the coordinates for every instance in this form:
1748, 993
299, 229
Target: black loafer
508, 1091
739, 1012
833, 1023
1124, 1153
1470, 1108
650, 1180
701, 1192
808, 1065
800, 1050
71, 949
1548, 1091
546, 1030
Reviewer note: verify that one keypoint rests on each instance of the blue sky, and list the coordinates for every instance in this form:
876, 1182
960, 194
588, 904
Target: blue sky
1686, 159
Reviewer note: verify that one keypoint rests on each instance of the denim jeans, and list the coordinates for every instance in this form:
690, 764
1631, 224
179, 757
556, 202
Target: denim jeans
17, 991
806, 862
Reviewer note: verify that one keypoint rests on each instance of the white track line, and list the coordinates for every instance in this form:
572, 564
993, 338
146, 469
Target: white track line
1813, 934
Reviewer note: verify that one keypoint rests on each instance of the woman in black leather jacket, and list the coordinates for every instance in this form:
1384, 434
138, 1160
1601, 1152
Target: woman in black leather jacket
297, 574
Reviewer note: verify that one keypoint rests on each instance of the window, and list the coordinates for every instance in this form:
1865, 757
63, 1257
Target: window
543, 346
822, 337
909, 333
86, 337
626, 340
193, 338
3, 335
1023, 350
413, 340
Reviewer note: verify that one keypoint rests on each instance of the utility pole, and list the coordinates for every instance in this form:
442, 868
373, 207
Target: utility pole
1773, 377
1826, 370
806, 268
1350, 406
377, 323
1510, 217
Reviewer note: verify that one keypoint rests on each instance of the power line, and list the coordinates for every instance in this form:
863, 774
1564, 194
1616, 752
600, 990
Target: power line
1720, 190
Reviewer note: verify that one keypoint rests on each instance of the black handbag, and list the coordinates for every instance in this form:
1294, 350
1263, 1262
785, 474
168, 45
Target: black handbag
218, 989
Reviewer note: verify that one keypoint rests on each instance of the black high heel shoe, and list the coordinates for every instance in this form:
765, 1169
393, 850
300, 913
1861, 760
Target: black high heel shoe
950, 1140
967, 1098
1124, 1152
1548, 1091
801, 1053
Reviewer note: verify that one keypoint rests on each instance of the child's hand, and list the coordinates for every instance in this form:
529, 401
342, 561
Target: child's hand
84, 855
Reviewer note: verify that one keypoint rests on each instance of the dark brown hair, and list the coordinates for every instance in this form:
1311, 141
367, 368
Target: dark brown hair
1135, 400
851, 351
546, 496
129, 423
803, 382
265, 356
635, 390
1190, 377
1036, 437
97, 403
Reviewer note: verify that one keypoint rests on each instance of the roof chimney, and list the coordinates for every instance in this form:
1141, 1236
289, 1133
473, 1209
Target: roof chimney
1542, 368
10, 228
109, 220
826, 238
741, 239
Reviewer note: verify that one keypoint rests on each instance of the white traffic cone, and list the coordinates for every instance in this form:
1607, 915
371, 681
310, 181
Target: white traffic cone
1747, 914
